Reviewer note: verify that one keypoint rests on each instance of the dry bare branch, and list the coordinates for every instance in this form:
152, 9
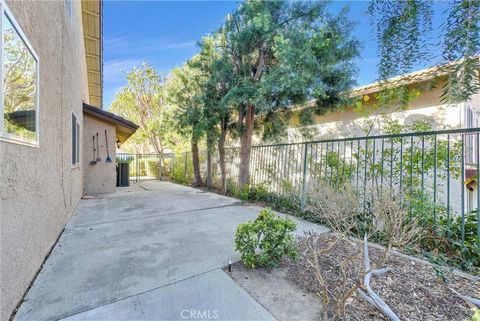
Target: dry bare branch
342, 211
370, 296
470, 300
339, 207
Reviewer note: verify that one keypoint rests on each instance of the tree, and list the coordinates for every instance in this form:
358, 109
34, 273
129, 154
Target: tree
286, 53
214, 64
198, 89
143, 102
403, 32
183, 91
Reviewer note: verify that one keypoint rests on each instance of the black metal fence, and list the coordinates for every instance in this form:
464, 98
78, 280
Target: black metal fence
434, 172
141, 166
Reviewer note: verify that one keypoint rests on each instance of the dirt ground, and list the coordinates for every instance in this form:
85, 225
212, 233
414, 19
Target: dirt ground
413, 289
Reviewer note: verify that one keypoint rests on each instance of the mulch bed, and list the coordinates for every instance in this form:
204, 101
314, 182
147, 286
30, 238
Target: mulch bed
412, 289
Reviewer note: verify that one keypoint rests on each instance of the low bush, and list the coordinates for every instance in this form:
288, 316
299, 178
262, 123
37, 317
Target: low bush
286, 203
266, 240
326, 204
339, 208
443, 242
345, 213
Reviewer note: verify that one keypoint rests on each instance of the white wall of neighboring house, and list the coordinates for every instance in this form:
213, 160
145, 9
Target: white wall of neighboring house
349, 123
427, 107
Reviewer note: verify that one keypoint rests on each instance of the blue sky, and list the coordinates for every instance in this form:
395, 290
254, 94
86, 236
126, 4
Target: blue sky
165, 34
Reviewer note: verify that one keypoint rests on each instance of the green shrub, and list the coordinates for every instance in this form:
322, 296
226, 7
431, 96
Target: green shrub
476, 315
178, 171
154, 166
124, 159
266, 240
287, 202
240, 193
442, 240
446, 241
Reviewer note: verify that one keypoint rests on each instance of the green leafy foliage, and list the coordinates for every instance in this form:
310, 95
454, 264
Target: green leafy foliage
462, 43
144, 101
286, 202
286, 53
443, 240
124, 160
275, 127
403, 30
266, 240
306, 117
476, 315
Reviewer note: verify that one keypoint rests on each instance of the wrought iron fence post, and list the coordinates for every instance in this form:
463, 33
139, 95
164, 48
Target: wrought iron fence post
160, 167
137, 163
445, 148
304, 178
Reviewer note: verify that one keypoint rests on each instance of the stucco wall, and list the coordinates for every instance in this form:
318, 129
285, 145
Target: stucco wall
349, 123
39, 189
101, 177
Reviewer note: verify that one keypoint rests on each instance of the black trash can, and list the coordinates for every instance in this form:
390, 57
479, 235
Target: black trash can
123, 174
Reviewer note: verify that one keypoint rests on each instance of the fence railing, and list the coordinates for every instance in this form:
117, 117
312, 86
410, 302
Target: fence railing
141, 166
434, 172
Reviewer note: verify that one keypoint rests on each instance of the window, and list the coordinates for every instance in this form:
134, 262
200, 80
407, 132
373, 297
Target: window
19, 88
470, 121
75, 140
471, 201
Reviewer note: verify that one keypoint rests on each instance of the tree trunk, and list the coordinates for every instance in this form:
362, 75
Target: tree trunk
163, 170
221, 155
209, 169
210, 148
196, 164
158, 146
245, 145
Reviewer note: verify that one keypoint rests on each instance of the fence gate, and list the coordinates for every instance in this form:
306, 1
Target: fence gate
142, 166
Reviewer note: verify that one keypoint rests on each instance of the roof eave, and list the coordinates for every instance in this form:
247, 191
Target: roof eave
124, 127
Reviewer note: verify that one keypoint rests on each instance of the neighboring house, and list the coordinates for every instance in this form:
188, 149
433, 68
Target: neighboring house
425, 105
52, 66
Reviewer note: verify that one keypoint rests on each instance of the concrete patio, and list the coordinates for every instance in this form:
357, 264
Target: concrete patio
150, 252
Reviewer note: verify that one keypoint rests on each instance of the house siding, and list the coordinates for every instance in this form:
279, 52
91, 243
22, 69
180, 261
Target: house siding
101, 177
39, 188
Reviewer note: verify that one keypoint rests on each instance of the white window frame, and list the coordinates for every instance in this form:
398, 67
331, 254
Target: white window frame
9, 137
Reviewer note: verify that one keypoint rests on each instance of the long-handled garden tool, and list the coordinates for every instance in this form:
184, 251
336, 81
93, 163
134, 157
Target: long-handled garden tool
108, 160
98, 150
93, 161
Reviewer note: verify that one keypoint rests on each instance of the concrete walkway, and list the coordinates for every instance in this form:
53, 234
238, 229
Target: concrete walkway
150, 252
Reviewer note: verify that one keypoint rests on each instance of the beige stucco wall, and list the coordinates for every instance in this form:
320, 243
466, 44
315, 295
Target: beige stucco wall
426, 107
349, 123
101, 177
39, 189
